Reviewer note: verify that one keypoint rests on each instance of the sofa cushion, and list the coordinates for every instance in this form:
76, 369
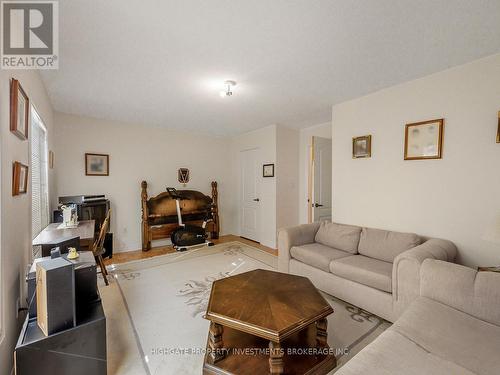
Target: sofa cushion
452, 335
317, 255
339, 236
386, 245
367, 271
393, 354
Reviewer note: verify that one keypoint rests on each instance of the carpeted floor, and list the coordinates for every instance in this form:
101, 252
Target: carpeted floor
155, 308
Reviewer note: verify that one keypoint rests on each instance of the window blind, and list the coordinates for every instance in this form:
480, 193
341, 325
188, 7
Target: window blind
39, 179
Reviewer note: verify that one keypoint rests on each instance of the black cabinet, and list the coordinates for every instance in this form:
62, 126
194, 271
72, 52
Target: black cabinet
80, 350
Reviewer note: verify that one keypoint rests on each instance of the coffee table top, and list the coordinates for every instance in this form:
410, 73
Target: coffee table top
268, 304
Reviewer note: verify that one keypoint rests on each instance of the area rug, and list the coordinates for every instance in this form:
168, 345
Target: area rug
166, 297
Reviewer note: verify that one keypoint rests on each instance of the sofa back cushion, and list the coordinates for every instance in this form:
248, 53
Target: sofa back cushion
339, 236
462, 288
386, 245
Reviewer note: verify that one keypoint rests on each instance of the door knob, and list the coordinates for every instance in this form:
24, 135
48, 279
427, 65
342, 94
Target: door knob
318, 205
256, 200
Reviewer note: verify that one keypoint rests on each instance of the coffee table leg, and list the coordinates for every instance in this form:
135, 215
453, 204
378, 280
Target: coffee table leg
215, 342
321, 332
276, 364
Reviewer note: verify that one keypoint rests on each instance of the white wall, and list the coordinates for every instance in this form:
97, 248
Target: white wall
321, 130
138, 152
16, 211
454, 198
265, 140
287, 177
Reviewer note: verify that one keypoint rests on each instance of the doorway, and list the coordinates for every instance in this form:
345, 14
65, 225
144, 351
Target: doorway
250, 200
320, 180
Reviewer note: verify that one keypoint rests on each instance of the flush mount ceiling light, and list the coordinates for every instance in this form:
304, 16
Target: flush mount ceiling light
227, 92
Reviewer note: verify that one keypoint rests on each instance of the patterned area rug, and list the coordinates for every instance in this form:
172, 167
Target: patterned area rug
165, 298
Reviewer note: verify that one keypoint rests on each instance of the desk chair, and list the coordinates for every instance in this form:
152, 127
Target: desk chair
98, 247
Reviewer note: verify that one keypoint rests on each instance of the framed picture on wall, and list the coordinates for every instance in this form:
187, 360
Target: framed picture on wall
268, 170
19, 178
498, 129
19, 110
51, 159
362, 147
424, 140
96, 164
183, 175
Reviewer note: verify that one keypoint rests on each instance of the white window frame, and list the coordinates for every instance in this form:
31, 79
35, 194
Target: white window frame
35, 116
2, 304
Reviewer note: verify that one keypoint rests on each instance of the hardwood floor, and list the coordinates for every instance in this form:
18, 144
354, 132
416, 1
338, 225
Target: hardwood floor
161, 250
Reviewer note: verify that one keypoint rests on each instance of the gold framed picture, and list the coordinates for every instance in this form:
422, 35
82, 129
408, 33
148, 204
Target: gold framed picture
498, 130
19, 110
96, 164
424, 140
51, 159
362, 147
19, 178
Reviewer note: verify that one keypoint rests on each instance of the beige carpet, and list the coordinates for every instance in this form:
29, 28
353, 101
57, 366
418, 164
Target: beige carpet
155, 307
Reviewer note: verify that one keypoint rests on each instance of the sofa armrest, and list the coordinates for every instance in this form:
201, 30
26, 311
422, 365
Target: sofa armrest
463, 288
406, 270
293, 236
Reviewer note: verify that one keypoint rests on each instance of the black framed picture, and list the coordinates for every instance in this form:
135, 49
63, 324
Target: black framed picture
268, 170
96, 164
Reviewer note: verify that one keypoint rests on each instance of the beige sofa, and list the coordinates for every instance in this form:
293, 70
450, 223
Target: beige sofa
452, 328
374, 269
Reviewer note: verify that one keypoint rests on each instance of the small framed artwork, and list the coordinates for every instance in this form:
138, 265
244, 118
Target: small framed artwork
51, 159
424, 140
362, 147
183, 176
19, 178
96, 164
19, 110
268, 170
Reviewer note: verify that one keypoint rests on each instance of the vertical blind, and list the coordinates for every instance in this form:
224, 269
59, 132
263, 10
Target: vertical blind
39, 180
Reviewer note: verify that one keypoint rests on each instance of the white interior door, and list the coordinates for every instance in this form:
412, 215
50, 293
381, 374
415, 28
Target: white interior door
250, 200
322, 180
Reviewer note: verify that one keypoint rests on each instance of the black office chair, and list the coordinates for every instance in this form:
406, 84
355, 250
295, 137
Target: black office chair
63, 244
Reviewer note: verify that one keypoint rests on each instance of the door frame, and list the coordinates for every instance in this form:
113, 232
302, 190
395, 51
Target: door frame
240, 195
310, 180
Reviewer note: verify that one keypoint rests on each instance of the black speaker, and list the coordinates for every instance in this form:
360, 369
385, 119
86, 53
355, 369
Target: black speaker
108, 246
57, 216
86, 292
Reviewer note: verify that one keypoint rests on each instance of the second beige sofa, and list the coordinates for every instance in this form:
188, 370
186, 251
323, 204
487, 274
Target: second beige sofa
453, 328
374, 269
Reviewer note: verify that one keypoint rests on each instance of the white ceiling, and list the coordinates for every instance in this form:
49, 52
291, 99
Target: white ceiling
160, 61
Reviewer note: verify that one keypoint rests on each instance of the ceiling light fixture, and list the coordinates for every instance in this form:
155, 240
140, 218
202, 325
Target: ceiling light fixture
228, 92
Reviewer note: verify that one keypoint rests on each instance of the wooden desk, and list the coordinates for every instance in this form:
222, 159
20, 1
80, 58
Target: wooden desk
51, 233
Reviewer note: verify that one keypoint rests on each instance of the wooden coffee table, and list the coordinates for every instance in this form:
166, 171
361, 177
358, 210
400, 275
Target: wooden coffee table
265, 322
